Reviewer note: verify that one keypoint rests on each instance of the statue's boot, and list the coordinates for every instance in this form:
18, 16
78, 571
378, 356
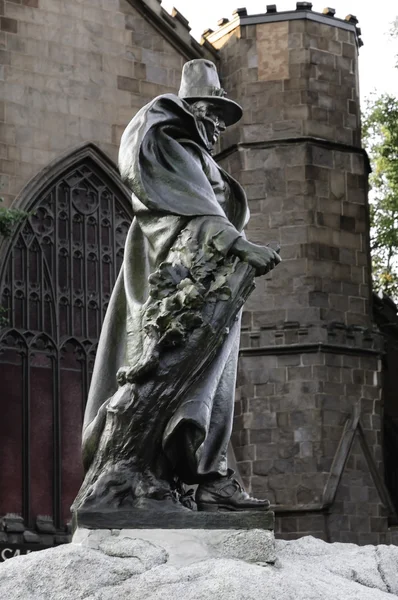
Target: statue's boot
226, 493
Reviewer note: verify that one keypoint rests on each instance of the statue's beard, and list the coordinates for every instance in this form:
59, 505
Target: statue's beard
207, 129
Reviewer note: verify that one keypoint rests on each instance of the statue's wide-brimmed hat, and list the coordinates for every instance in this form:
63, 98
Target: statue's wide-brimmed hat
200, 81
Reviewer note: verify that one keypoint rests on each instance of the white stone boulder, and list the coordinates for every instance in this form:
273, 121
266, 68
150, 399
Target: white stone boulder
118, 566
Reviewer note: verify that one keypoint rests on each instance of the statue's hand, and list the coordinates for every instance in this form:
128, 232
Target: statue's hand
262, 258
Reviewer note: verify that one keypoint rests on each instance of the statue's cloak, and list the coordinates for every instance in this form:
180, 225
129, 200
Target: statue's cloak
164, 160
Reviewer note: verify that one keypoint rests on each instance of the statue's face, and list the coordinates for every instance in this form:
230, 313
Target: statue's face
211, 117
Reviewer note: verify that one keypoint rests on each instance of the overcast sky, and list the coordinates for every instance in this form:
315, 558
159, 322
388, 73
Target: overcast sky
376, 58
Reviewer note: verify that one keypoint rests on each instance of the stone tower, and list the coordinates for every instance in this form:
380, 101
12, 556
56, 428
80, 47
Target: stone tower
308, 412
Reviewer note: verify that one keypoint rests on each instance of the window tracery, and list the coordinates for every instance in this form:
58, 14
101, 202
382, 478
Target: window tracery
58, 274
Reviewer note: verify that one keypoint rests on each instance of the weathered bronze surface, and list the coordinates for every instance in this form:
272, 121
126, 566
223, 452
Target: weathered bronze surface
160, 407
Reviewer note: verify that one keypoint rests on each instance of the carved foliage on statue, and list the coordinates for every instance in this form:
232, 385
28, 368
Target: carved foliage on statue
192, 277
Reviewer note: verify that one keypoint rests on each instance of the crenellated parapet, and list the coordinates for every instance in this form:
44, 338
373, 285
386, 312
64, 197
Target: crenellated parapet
272, 15
175, 28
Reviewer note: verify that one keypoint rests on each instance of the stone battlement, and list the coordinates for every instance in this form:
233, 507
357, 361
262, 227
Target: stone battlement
175, 27
272, 15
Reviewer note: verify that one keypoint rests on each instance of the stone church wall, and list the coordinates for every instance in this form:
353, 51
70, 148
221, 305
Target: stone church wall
75, 72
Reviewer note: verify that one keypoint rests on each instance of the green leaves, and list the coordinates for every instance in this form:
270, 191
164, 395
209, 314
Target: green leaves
380, 129
9, 217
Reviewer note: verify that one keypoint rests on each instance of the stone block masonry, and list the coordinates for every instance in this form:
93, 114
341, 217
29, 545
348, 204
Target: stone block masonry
75, 72
310, 356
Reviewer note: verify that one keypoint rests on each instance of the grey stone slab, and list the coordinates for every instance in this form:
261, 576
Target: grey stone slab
179, 519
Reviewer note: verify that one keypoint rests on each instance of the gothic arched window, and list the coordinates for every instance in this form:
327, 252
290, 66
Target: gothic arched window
57, 274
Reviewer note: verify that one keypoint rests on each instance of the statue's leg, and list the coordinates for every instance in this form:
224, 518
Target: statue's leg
196, 438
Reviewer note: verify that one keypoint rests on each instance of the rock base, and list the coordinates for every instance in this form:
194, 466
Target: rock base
108, 566
183, 546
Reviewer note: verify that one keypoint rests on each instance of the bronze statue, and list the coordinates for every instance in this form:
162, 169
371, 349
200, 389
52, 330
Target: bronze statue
161, 401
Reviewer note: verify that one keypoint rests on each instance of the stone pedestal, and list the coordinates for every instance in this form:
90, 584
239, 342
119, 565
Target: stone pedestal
182, 547
186, 536
171, 519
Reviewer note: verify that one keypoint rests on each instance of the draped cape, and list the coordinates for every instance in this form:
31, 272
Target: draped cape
164, 160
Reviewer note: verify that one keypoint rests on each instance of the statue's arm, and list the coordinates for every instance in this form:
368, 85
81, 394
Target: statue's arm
262, 258
228, 240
